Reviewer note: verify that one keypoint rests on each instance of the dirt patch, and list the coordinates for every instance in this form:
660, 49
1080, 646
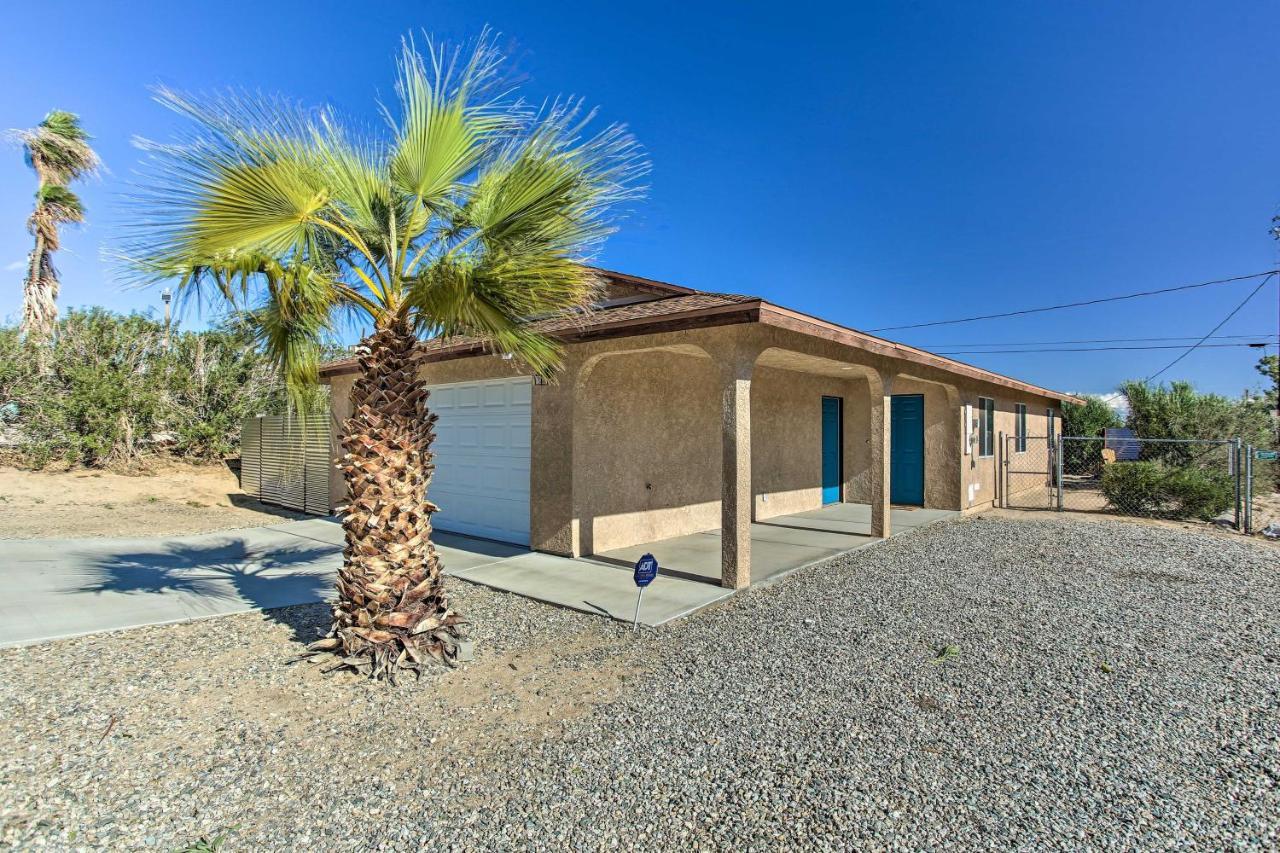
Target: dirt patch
168, 500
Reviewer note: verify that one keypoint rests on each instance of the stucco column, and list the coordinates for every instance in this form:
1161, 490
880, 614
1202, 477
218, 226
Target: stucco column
553, 524
881, 404
735, 497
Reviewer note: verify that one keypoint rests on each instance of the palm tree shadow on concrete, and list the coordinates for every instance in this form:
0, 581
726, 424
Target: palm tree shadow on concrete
222, 576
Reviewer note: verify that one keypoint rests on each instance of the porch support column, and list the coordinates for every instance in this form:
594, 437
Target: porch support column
735, 497
881, 475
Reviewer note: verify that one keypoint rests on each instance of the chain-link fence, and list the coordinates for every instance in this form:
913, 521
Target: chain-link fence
1155, 478
1204, 480
1262, 492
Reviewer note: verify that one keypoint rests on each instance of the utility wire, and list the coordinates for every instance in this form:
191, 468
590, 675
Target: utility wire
935, 347
1212, 331
1083, 349
1268, 273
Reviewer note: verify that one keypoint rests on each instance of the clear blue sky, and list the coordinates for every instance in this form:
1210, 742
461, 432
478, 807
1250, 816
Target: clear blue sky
884, 164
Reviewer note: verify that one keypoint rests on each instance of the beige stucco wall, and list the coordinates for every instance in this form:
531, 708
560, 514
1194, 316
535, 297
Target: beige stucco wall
981, 472
626, 442
646, 450
786, 437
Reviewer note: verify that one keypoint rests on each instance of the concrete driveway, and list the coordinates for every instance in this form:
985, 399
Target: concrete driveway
54, 588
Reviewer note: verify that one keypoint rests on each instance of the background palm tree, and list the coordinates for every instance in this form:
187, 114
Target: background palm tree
470, 214
58, 150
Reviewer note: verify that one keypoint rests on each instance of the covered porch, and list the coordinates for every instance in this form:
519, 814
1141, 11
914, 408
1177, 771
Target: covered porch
736, 454
690, 574
779, 544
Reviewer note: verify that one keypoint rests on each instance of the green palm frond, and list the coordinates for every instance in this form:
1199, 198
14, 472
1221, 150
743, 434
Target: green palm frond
551, 189
58, 148
471, 216
65, 204
452, 112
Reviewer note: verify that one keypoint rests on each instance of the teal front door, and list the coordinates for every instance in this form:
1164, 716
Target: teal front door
906, 449
832, 454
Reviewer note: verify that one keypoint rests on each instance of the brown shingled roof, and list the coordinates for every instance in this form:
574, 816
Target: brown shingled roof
580, 325
681, 307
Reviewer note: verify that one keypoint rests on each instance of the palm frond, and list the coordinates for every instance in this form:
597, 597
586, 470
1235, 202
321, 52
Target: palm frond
452, 112
58, 148
553, 190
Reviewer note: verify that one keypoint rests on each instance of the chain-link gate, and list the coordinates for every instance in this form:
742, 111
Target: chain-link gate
1030, 468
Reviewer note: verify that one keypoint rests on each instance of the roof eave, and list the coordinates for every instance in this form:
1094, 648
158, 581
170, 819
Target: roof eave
720, 315
776, 315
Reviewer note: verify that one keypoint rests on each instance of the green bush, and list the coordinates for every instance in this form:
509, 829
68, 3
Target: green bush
1149, 488
110, 391
1197, 493
1133, 487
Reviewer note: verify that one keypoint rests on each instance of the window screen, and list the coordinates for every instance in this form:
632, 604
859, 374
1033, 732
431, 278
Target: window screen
1020, 428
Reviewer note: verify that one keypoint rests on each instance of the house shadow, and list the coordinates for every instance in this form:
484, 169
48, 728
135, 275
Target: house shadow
223, 575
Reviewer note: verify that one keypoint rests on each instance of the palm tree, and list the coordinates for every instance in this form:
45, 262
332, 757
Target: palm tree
470, 214
58, 150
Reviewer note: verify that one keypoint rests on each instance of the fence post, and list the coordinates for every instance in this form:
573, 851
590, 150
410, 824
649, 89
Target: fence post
1002, 471
1058, 463
1234, 460
1248, 491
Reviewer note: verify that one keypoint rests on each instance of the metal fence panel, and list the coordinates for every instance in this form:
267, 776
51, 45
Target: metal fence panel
251, 457
1154, 478
317, 463
285, 460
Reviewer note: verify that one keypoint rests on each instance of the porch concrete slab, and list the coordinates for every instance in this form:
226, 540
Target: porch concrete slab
594, 587
779, 545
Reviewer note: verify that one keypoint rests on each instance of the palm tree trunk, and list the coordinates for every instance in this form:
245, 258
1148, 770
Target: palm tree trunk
39, 305
392, 610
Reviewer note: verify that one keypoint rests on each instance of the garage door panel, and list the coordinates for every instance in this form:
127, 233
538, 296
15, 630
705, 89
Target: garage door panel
481, 483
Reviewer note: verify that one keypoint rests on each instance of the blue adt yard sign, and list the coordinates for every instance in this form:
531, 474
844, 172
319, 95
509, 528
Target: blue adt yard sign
646, 571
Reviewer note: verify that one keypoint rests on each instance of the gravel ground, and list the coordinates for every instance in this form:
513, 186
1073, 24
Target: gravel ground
1106, 686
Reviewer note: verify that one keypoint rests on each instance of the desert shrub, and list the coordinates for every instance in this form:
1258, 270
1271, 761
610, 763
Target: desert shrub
1150, 488
1088, 419
1197, 493
111, 392
1133, 487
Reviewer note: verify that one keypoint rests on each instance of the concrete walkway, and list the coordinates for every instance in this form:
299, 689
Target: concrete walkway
54, 588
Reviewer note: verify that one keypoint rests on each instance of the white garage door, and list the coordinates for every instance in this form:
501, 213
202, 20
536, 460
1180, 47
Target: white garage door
481, 482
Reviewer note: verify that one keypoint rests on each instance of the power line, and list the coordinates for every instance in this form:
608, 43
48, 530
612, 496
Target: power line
1074, 304
1174, 346
935, 347
1212, 331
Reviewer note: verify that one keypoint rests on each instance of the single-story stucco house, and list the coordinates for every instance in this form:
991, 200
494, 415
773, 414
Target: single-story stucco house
679, 411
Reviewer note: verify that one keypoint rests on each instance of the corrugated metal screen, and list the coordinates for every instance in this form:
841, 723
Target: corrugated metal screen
285, 460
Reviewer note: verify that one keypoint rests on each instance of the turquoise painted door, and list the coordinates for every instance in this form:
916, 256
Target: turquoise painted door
906, 449
831, 450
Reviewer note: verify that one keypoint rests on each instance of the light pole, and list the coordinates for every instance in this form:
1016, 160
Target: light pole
166, 296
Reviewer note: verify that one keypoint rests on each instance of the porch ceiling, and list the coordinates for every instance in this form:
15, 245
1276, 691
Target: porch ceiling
784, 359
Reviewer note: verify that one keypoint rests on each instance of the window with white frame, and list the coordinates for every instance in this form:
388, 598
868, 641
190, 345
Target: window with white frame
1020, 428
986, 426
